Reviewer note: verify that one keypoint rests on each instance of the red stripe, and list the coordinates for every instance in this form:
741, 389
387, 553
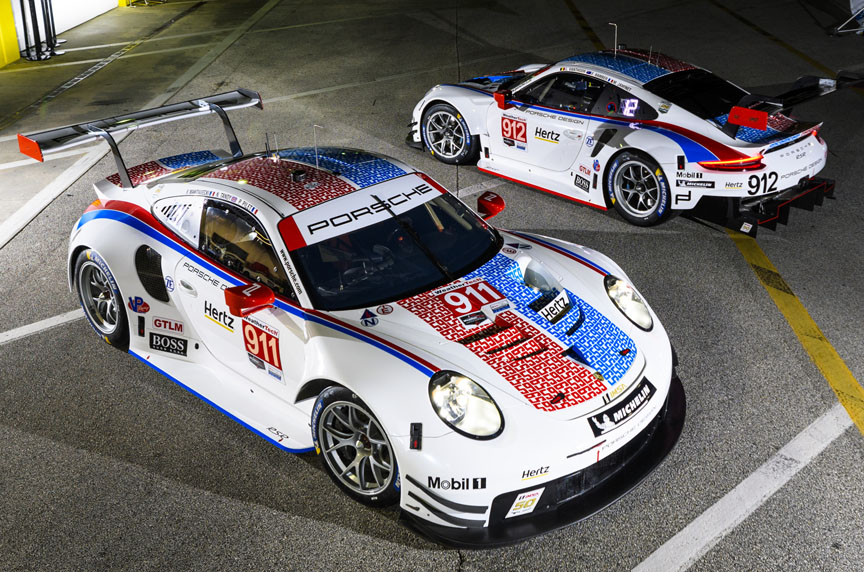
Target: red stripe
602, 208
722, 151
291, 234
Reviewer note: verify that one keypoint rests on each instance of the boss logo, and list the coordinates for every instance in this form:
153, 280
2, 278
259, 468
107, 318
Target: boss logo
168, 344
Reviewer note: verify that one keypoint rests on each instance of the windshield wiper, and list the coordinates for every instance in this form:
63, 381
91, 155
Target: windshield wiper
409, 230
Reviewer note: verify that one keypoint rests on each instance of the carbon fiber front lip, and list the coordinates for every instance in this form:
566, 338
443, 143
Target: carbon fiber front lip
612, 489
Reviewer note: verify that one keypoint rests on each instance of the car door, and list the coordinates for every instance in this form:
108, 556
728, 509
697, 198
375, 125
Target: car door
542, 127
266, 347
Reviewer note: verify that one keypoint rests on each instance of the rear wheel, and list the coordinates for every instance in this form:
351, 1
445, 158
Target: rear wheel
638, 189
100, 298
446, 135
355, 449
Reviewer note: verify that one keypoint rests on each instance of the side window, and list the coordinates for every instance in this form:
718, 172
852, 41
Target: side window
234, 238
619, 104
568, 91
182, 215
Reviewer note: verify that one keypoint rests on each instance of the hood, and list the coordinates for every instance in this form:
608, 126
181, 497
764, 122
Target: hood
519, 325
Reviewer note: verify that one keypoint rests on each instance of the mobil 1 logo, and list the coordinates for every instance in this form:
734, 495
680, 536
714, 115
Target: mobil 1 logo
168, 344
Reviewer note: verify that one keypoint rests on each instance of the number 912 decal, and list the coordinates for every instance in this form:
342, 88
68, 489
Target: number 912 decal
761, 184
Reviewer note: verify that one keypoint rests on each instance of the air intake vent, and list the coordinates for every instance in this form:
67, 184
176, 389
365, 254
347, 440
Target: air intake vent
148, 264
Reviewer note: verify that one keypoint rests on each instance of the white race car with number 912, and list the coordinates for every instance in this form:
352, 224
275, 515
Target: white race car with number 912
495, 384
639, 131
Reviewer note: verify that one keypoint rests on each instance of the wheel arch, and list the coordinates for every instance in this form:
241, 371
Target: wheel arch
70, 265
611, 159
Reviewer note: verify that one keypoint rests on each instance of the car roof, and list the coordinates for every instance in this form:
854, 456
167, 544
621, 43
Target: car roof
639, 65
289, 180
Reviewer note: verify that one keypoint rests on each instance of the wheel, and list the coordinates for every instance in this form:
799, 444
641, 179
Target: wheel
447, 137
355, 449
638, 189
100, 297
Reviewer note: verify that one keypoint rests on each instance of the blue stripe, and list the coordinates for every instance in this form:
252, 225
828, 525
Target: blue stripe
212, 404
559, 248
153, 233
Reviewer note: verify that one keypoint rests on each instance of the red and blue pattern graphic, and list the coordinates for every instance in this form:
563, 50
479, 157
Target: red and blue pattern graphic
597, 340
530, 353
361, 168
277, 177
140, 174
630, 66
778, 127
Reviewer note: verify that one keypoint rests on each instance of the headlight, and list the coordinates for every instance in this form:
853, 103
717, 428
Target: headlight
629, 302
465, 406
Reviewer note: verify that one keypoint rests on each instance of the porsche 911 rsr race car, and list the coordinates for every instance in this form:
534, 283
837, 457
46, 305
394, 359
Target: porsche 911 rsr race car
495, 384
640, 131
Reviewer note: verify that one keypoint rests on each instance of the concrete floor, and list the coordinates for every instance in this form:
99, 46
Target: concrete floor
107, 465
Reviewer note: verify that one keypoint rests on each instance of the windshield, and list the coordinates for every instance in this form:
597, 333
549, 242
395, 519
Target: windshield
429, 245
698, 91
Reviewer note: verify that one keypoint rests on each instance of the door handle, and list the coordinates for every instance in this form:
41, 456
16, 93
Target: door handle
188, 288
572, 133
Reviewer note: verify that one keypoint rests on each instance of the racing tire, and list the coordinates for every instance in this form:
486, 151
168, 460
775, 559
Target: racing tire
101, 300
638, 189
354, 448
445, 133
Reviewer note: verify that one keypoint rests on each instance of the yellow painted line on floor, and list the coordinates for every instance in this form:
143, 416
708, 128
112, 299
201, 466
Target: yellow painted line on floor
833, 368
586, 27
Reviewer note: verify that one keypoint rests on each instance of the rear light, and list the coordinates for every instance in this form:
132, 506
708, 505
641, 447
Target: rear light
815, 132
745, 164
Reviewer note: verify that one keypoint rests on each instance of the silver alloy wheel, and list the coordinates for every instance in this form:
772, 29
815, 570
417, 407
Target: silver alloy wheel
445, 135
97, 297
356, 448
636, 188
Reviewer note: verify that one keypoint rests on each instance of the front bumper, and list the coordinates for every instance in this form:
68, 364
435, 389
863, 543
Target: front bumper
576, 496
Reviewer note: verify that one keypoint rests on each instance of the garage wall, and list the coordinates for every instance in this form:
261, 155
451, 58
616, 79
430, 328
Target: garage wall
8, 36
67, 13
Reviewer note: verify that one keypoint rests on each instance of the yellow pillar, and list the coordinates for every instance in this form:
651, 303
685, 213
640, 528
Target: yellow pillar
8, 34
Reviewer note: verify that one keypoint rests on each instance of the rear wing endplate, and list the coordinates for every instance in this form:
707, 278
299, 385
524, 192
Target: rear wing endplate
804, 89
37, 145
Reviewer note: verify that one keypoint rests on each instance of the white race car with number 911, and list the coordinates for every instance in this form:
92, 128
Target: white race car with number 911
495, 384
641, 132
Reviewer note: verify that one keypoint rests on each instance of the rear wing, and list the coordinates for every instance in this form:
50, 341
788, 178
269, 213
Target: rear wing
753, 109
37, 145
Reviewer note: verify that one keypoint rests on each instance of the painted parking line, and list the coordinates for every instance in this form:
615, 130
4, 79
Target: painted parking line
821, 352
40, 326
25, 162
703, 533
586, 27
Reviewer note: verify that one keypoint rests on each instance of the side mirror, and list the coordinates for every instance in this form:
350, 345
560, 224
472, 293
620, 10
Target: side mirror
489, 204
502, 98
248, 298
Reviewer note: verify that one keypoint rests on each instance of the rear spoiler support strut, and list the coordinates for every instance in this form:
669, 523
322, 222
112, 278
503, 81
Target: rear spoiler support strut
37, 145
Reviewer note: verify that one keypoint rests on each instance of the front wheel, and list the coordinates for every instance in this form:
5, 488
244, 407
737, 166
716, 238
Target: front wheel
446, 135
100, 298
638, 189
355, 449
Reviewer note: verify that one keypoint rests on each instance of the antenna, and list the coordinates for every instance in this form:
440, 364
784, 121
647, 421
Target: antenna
276, 145
615, 48
266, 144
650, 49
315, 138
